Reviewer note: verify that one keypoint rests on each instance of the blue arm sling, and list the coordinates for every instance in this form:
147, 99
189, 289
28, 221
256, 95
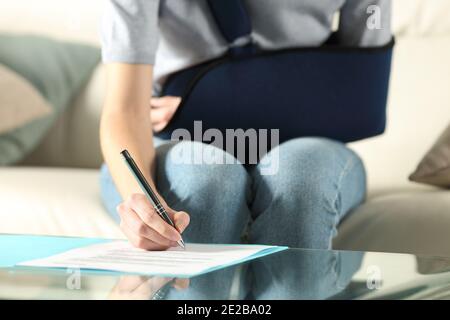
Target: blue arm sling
328, 91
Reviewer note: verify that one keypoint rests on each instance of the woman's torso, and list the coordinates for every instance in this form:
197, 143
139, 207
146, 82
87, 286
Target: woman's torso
187, 33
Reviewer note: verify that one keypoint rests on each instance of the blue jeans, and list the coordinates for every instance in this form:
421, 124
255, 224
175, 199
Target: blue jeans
317, 183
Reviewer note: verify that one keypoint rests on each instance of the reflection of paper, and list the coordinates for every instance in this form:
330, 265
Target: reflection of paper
122, 257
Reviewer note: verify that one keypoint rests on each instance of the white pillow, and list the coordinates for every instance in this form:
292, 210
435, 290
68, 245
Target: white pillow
20, 102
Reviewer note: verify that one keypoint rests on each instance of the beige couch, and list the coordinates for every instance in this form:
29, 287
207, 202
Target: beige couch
56, 190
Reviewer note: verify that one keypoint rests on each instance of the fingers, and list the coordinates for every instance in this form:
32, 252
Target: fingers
161, 117
141, 242
132, 288
129, 283
181, 220
146, 229
159, 126
143, 288
140, 204
181, 284
162, 111
132, 222
159, 282
178, 283
162, 114
166, 101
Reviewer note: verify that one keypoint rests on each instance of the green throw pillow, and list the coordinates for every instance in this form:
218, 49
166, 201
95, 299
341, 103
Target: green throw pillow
58, 70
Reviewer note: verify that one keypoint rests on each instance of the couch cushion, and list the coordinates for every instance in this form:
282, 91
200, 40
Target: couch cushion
63, 202
413, 221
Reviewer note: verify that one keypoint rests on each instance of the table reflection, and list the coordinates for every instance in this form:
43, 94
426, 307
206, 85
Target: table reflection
292, 274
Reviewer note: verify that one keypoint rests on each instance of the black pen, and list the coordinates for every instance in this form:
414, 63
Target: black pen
163, 291
148, 191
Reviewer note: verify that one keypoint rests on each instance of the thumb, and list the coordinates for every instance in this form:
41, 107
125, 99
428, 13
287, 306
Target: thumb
181, 283
181, 221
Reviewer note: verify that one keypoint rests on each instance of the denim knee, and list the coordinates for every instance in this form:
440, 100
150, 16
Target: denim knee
317, 183
109, 194
194, 177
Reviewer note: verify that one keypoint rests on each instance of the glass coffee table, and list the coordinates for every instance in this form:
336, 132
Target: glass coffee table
292, 274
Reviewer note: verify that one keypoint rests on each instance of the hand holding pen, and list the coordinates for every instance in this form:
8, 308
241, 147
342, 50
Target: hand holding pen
146, 220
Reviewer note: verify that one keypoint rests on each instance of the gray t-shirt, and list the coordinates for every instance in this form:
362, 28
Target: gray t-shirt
176, 34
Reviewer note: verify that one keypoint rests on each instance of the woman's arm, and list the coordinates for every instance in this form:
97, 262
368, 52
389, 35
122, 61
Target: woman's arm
126, 124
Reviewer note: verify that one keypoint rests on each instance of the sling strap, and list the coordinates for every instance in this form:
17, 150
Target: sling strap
329, 91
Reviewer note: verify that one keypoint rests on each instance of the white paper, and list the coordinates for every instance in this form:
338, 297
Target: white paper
122, 257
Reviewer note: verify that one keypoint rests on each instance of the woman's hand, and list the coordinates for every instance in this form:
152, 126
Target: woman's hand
145, 229
143, 288
162, 111
126, 124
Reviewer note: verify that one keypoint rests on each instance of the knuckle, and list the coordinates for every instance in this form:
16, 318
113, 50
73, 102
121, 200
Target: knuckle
141, 243
135, 198
149, 215
138, 243
120, 208
187, 218
158, 247
141, 228
165, 231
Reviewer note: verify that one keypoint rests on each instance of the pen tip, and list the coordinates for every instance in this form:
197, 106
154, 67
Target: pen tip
181, 244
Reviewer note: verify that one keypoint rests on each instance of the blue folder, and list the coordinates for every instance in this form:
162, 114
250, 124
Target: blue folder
15, 249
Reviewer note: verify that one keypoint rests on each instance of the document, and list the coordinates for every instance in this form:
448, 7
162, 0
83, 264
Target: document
120, 256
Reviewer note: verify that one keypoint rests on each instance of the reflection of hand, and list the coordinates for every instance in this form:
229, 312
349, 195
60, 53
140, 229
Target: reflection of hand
162, 111
143, 288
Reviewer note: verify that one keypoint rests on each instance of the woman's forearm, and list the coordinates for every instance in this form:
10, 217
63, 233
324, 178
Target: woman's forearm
127, 131
126, 124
